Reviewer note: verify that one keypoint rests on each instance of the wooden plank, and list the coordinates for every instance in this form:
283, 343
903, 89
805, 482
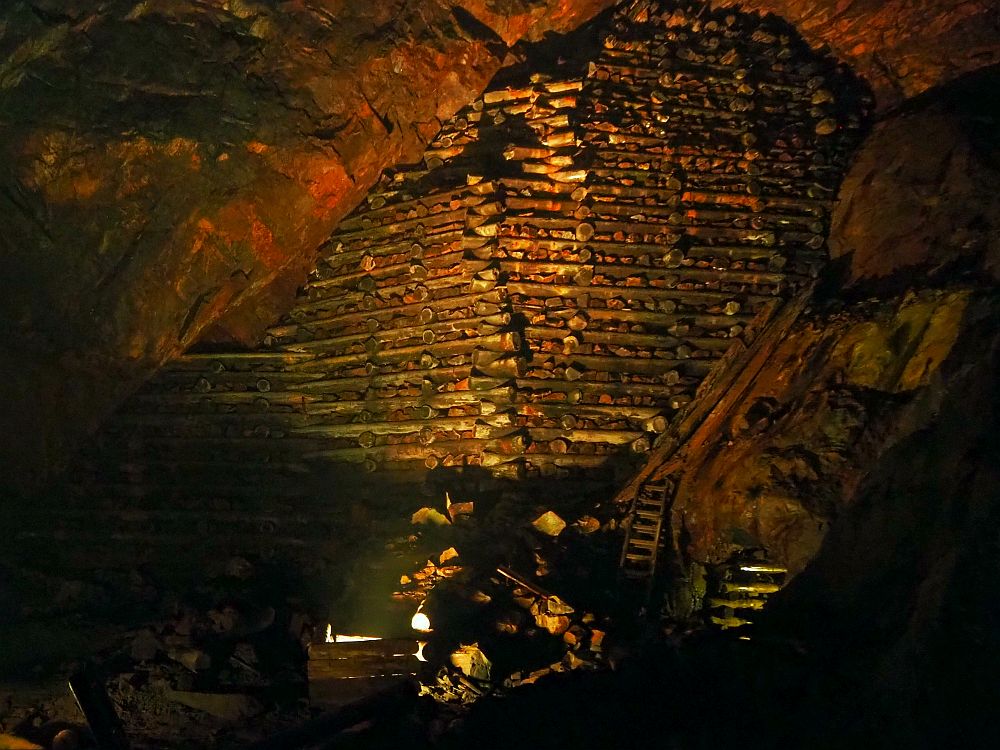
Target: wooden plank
348, 649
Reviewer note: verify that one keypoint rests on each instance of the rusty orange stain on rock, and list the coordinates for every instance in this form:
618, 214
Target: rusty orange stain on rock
85, 186
322, 176
238, 224
263, 245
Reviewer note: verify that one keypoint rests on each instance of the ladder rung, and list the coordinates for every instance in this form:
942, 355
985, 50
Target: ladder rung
635, 557
643, 543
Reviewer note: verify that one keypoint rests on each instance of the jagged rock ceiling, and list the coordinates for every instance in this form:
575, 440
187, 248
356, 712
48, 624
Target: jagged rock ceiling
168, 161
547, 288
171, 163
901, 47
865, 442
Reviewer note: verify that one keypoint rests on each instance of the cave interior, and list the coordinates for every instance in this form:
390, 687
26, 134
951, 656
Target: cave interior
490, 373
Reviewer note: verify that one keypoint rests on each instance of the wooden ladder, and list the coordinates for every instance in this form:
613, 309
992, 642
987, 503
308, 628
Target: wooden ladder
644, 532
650, 491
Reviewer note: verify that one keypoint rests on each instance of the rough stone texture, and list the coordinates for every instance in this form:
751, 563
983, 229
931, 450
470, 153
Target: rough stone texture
852, 379
901, 47
168, 160
544, 314
837, 393
174, 163
922, 190
903, 583
863, 454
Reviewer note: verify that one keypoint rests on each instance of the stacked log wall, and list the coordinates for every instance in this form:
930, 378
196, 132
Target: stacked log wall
546, 291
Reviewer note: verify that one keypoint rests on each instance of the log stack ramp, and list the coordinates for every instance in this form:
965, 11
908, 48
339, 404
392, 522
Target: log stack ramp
542, 295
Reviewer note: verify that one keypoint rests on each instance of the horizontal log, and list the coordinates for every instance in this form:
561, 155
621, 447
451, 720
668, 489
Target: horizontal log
577, 391
593, 247
362, 666
459, 279
343, 255
186, 421
611, 437
458, 300
538, 186
498, 342
425, 236
395, 335
733, 252
401, 427
568, 460
393, 203
438, 401
439, 448
509, 94
650, 340
199, 361
437, 375
596, 411
700, 320
185, 400
594, 363
390, 229
448, 260
684, 297
383, 647
622, 270
255, 380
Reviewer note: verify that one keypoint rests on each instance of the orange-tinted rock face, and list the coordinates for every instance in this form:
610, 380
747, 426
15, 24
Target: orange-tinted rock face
173, 165
901, 47
169, 161
916, 211
540, 315
832, 397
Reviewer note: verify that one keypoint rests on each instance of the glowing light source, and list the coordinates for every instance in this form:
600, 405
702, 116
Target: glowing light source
332, 637
421, 622
420, 651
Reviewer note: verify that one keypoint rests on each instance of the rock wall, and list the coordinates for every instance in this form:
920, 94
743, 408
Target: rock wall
169, 162
175, 165
869, 366
900, 582
545, 291
841, 388
932, 210
901, 48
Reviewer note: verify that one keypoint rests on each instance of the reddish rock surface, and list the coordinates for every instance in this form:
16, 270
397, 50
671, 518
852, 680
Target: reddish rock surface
900, 47
916, 233
836, 393
167, 161
174, 164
